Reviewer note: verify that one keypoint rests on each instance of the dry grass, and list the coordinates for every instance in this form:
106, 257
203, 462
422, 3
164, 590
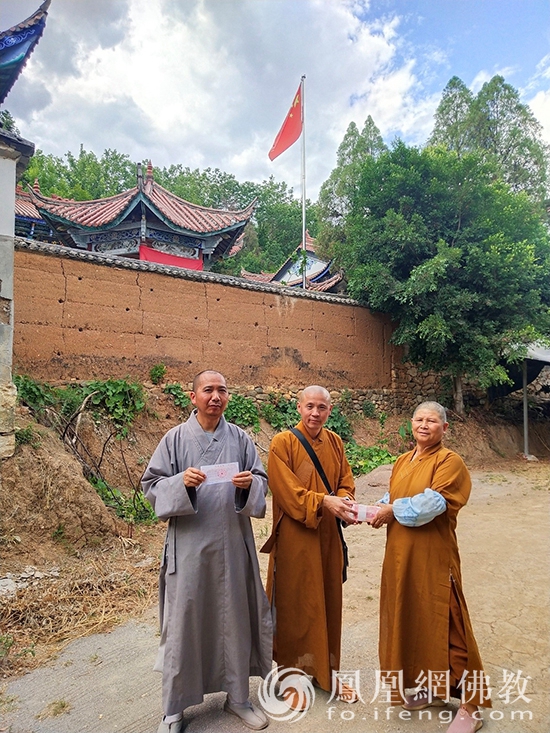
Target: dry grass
91, 595
55, 708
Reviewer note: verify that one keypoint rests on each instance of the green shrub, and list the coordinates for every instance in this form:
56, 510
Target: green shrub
345, 403
6, 643
177, 393
134, 509
243, 412
340, 424
27, 436
119, 399
69, 399
363, 460
405, 433
280, 412
36, 395
157, 373
369, 409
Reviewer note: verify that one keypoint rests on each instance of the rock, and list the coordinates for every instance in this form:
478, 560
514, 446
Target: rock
7, 587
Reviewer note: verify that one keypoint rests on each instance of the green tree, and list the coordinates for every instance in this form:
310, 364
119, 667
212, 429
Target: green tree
459, 260
355, 148
508, 131
452, 118
50, 172
210, 187
8, 123
278, 228
497, 125
337, 192
371, 142
82, 177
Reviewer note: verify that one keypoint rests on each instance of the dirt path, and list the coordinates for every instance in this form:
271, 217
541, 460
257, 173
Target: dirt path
105, 683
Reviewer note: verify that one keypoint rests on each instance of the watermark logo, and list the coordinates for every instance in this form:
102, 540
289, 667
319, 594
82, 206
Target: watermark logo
284, 683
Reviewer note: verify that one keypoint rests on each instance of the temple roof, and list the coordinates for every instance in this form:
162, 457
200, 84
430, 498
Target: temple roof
257, 277
24, 207
317, 269
17, 44
325, 285
185, 217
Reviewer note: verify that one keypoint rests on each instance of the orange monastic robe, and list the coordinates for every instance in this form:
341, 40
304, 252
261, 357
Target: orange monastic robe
304, 583
421, 566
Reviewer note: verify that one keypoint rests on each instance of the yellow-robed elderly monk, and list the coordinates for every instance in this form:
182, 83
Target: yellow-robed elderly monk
425, 628
306, 561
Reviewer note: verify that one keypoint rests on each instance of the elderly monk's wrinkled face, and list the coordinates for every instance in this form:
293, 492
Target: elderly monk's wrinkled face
314, 409
211, 395
428, 428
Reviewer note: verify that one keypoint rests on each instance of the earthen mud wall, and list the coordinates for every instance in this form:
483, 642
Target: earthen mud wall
77, 317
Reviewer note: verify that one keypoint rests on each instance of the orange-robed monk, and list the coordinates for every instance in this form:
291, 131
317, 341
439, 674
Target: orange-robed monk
425, 627
306, 563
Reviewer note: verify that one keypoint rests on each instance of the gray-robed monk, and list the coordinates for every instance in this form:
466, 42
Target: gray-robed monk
214, 615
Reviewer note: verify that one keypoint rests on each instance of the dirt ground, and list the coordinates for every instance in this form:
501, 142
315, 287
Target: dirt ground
83, 619
504, 539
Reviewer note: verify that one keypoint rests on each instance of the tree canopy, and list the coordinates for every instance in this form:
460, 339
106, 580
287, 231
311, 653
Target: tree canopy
498, 126
7, 122
355, 148
459, 260
81, 177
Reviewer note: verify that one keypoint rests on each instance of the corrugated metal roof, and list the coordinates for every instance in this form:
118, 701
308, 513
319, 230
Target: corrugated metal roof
536, 352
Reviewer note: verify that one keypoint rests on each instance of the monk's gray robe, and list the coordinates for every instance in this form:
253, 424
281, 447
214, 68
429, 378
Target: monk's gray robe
214, 615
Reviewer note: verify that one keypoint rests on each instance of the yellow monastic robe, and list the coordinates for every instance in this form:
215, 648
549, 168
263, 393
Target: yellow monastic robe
304, 583
421, 565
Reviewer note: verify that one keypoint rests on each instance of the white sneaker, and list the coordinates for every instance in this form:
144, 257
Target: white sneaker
176, 727
250, 715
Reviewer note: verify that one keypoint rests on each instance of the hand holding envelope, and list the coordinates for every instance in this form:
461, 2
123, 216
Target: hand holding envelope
365, 513
222, 473
219, 473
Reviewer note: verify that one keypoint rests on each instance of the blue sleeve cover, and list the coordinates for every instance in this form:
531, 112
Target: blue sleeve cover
414, 511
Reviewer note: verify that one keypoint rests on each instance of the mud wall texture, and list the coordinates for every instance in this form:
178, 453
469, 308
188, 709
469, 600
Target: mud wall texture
82, 319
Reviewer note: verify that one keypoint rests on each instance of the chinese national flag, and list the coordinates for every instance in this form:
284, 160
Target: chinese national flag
291, 128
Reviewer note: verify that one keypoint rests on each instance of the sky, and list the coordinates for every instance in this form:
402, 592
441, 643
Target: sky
208, 83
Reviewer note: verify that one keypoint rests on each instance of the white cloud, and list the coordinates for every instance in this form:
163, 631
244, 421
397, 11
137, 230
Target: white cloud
540, 106
484, 76
207, 83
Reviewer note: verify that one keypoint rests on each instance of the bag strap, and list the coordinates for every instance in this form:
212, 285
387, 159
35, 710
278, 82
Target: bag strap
317, 464
311, 453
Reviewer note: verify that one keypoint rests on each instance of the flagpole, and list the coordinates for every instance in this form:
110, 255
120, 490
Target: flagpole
304, 261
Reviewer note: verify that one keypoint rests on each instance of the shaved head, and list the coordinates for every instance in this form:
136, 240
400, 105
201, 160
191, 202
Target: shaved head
314, 390
197, 381
314, 406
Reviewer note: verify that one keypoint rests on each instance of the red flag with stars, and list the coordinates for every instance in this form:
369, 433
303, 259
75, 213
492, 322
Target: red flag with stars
291, 128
